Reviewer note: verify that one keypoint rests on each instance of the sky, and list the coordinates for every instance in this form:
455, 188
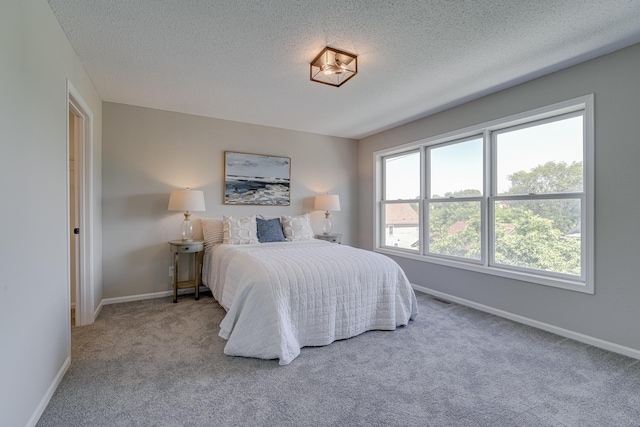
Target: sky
458, 167
253, 165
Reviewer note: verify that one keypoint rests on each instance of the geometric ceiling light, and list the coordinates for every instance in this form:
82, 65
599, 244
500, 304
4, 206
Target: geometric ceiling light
333, 67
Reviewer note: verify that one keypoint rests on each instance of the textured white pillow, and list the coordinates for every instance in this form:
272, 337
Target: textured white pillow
296, 227
239, 231
212, 231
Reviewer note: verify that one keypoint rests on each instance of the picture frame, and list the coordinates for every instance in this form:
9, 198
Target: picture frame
256, 179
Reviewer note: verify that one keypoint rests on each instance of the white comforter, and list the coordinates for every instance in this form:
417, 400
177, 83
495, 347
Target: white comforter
281, 297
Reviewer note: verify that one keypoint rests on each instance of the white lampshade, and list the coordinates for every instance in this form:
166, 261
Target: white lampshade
186, 200
327, 202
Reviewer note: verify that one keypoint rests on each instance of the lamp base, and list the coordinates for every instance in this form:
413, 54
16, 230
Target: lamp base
186, 229
327, 225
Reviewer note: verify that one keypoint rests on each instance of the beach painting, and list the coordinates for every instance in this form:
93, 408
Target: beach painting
255, 179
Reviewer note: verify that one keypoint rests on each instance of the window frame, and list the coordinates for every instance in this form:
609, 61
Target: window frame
384, 202
430, 200
583, 105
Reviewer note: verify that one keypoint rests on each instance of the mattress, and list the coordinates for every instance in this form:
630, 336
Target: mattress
280, 297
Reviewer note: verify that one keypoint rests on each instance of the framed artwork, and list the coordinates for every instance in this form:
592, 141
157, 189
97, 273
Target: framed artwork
255, 179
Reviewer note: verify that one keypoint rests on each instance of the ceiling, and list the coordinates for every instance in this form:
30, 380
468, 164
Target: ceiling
248, 60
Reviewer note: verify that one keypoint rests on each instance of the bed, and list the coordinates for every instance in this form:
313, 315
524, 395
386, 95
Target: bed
283, 296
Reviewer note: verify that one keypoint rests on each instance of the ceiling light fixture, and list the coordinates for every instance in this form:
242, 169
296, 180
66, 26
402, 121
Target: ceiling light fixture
333, 67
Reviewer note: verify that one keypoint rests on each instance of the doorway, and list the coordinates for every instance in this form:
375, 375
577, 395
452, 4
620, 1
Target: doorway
80, 208
75, 123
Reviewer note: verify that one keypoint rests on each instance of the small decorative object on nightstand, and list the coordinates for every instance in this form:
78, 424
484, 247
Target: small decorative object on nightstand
333, 238
196, 248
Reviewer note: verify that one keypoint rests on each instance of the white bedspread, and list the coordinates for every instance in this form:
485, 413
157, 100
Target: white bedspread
281, 297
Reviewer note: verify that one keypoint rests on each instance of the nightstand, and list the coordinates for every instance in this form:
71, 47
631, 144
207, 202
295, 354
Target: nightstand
333, 238
196, 248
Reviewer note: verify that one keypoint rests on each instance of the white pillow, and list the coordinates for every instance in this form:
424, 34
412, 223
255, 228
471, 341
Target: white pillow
212, 231
239, 231
296, 227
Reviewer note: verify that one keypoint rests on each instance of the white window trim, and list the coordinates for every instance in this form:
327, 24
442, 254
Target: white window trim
584, 285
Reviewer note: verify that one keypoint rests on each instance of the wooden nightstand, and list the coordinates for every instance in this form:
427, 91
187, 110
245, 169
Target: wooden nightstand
333, 238
196, 248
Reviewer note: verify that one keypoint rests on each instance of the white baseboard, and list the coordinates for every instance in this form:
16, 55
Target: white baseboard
153, 295
596, 342
49, 394
98, 309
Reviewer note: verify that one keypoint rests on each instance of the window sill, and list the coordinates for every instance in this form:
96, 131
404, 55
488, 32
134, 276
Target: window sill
571, 285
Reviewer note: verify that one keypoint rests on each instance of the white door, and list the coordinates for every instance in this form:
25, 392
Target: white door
74, 126
80, 214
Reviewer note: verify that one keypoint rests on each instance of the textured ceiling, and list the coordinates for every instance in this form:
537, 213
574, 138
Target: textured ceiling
247, 60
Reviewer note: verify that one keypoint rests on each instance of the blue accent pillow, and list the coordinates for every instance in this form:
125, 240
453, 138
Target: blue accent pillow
269, 230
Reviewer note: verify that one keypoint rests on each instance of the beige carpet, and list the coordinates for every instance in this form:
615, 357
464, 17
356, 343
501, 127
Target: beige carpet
154, 363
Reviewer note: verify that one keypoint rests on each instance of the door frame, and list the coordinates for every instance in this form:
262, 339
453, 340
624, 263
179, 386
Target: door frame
83, 165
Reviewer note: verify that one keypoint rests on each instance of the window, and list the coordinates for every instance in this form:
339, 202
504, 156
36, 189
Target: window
513, 197
537, 213
400, 204
455, 183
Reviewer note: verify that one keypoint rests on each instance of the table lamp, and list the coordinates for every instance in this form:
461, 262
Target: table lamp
186, 200
327, 203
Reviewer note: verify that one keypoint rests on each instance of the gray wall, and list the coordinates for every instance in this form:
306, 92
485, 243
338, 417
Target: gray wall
147, 153
611, 314
35, 61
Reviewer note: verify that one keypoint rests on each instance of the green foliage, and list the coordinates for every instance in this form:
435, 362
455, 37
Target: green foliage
530, 234
463, 193
551, 177
466, 243
446, 238
525, 239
